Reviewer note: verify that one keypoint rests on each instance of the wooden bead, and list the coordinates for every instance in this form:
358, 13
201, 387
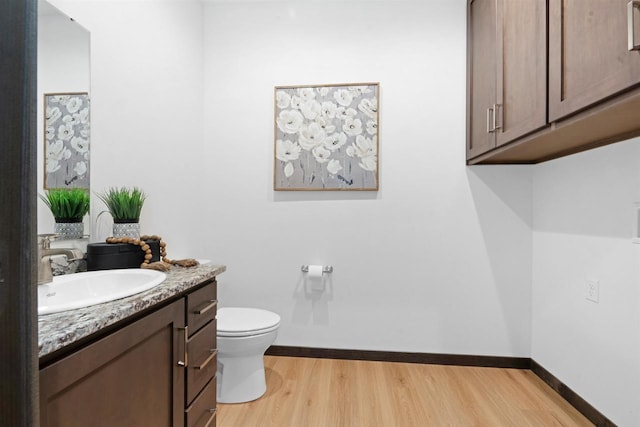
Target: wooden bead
148, 256
145, 247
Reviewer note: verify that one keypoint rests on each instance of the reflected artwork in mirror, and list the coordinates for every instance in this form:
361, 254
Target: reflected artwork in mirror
66, 143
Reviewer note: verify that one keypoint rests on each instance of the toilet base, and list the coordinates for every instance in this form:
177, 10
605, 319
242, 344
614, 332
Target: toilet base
240, 376
240, 379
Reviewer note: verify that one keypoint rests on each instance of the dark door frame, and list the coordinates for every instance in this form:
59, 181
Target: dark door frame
18, 269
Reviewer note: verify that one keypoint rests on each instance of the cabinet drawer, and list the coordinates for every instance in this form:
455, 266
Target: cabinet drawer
201, 307
203, 359
202, 412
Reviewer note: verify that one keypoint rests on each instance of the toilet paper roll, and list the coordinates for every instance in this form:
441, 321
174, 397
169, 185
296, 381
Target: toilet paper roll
315, 280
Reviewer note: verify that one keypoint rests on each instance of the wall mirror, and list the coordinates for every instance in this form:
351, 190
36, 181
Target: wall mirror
64, 85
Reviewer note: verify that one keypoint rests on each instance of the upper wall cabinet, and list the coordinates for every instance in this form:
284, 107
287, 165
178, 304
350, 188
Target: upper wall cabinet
591, 98
589, 56
507, 72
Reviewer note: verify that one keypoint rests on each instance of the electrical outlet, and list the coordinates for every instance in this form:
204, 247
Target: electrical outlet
593, 290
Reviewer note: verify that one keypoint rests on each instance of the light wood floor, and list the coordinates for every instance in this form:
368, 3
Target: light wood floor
305, 392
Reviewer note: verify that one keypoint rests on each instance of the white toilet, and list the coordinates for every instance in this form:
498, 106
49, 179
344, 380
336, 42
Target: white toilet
244, 334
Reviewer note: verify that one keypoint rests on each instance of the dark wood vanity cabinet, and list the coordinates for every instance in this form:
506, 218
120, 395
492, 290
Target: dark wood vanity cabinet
200, 387
156, 371
522, 109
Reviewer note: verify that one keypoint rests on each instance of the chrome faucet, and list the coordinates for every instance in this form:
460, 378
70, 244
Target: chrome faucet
45, 251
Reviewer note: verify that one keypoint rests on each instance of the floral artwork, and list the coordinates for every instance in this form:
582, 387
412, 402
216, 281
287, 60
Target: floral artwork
67, 130
326, 137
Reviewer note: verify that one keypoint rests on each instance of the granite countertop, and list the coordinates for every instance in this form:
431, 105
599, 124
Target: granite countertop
60, 329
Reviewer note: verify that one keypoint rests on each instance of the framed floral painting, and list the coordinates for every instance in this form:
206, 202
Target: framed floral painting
67, 129
326, 137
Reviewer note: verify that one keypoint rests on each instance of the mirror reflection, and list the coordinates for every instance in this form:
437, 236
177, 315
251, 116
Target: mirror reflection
63, 108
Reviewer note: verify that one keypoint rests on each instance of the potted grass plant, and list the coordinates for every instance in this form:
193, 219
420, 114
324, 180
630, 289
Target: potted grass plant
68, 206
124, 204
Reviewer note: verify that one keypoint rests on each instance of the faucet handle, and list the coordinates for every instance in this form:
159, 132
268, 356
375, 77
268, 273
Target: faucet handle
44, 240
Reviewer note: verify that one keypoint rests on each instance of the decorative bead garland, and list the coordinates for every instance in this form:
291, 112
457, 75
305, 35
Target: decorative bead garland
144, 246
147, 251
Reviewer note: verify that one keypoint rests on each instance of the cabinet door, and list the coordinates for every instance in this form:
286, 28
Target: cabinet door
481, 75
589, 57
129, 378
522, 68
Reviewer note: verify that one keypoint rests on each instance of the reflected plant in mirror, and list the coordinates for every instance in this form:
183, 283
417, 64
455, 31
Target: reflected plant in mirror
68, 207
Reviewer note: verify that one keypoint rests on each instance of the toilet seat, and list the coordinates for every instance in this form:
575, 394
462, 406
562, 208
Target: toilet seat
242, 321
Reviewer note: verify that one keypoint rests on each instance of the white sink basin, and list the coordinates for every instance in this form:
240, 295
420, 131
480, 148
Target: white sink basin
71, 291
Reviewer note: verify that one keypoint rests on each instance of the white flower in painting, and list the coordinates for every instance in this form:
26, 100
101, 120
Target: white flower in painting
288, 170
50, 132
80, 168
335, 141
52, 165
283, 99
287, 150
326, 125
311, 109
290, 121
65, 132
366, 150
81, 145
62, 99
357, 91
74, 104
346, 113
306, 94
369, 107
84, 115
295, 102
334, 166
52, 115
369, 163
352, 127
55, 152
343, 97
363, 147
311, 136
372, 127
321, 154
85, 131
329, 109
323, 91
71, 119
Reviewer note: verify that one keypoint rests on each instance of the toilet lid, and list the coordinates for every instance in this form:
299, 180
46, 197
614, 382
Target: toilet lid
241, 321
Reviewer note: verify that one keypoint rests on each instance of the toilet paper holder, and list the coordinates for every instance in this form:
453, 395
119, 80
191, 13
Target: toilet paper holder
325, 269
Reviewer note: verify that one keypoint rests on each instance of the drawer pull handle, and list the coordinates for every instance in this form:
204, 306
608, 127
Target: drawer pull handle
213, 416
633, 4
185, 354
496, 107
212, 304
209, 359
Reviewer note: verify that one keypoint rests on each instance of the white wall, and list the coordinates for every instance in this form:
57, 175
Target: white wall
438, 260
583, 223
146, 90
